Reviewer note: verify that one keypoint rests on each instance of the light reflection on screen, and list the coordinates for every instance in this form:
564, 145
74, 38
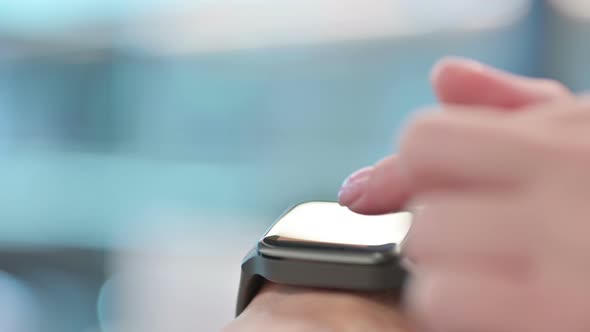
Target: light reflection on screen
327, 222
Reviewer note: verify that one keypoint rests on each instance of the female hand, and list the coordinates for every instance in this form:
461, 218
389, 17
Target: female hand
284, 308
500, 238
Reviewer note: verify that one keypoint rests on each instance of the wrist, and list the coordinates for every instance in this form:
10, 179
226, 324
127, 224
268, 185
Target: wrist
297, 308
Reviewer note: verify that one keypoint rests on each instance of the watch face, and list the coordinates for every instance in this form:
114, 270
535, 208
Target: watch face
328, 229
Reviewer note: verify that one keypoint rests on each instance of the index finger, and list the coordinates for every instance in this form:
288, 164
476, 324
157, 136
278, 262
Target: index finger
459, 82
457, 147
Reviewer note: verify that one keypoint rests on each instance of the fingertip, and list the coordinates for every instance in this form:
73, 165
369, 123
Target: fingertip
384, 191
451, 65
456, 80
354, 186
366, 207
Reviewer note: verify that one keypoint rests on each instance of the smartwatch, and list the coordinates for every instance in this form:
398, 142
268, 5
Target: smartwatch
324, 245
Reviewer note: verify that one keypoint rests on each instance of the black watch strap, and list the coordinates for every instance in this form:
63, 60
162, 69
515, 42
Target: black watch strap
256, 269
250, 283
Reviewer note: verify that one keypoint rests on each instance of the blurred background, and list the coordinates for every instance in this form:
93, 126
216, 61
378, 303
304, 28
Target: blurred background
146, 144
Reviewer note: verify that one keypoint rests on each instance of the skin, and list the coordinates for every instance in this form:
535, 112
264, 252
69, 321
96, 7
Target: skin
285, 308
500, 238
471, 96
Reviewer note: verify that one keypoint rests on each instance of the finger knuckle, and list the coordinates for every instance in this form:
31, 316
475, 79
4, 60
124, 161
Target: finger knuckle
423, 131
555, 88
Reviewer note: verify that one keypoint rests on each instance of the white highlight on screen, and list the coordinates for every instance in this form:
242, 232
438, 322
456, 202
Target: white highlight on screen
328, 222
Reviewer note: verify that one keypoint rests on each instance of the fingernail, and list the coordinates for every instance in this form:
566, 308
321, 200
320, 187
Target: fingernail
353, 186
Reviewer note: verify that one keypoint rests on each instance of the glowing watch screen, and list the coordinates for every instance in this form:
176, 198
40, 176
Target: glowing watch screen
329, 223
